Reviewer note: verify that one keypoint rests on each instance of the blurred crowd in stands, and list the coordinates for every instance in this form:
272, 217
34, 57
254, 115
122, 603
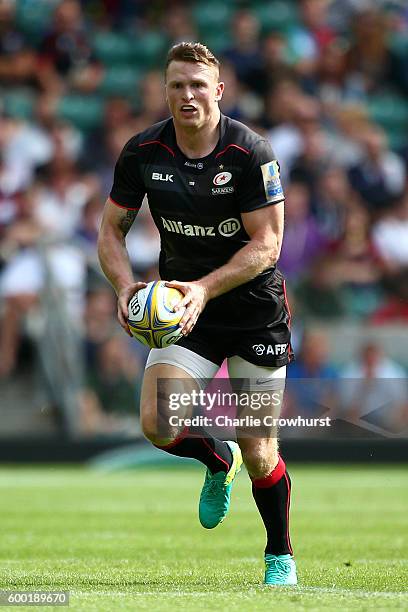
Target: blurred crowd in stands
326, 81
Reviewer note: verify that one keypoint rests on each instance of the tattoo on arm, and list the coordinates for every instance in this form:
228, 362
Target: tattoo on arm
126, 222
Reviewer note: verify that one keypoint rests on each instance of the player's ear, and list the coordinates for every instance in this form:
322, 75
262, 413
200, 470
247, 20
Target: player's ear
165, 88
219, 91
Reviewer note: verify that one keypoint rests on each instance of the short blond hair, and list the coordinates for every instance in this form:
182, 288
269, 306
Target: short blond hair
193, 52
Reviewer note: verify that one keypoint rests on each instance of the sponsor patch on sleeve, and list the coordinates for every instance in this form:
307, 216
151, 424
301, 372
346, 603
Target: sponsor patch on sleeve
272, 182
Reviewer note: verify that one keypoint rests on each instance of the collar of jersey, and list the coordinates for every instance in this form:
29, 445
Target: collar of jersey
203, 160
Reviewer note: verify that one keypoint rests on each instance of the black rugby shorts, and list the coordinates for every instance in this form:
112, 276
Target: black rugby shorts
251, 321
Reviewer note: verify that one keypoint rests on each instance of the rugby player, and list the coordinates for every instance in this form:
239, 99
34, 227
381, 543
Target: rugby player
214, 193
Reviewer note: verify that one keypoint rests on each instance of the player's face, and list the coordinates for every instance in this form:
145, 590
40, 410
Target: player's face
193, 93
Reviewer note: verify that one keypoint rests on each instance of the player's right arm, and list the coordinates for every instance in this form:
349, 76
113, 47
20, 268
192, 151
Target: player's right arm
121, 208
114, 257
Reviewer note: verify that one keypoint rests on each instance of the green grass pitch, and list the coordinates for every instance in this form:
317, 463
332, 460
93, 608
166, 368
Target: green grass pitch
131, 540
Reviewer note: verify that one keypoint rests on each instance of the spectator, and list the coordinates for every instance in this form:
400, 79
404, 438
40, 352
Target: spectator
108, 404
314, 159
25, 269
302, 241
308, 41
116, 379
230, 104
13, 180
274, 66
390, 237
368, 55
245, 53
65, 47
178, 26
23, 147
115, 14
374, 391
335, 86
318, 295
292, 113
143, 243
114, 141
280, 102
313, 360
343, 137
62, 193
87, 230
18, 282
153, 107
333, 199
379, 177
117, 114
310, 377
18, 62
355, 266
99, 321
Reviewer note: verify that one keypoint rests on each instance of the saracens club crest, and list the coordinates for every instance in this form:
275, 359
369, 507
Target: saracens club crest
222, 178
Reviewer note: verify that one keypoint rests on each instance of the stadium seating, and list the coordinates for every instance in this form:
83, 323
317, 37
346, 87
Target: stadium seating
148, 50
85, 112
33, 17
120, 80
209, 15
112, 48
390, 110
276, 16
19, 103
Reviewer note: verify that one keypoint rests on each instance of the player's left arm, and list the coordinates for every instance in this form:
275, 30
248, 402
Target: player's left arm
265, 229
259, 197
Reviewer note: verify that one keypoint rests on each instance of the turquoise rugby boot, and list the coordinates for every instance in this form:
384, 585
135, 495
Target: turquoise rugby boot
280, 570
216, 492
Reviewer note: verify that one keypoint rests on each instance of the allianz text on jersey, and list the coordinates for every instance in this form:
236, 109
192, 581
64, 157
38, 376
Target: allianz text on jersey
227, 228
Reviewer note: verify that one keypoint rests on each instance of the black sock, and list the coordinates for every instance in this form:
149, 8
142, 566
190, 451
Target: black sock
198, 444
272, 497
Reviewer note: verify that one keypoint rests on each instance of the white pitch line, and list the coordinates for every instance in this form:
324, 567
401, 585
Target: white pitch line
357, 592
261, 588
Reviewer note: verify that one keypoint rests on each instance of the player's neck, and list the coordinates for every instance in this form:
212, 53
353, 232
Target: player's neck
196, 143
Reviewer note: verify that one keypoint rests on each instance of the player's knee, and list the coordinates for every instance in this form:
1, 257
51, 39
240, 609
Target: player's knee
149, 428
260, 460
148, 421
154, 428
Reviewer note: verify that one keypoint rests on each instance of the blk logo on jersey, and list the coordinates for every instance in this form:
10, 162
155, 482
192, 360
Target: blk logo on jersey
272, 182
222, 178
270, 349
158, 176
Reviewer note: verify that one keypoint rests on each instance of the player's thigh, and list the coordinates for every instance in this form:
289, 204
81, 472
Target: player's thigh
160, 382
170, 373
261, 393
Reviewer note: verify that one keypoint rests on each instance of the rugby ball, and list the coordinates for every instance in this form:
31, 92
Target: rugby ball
151, 318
